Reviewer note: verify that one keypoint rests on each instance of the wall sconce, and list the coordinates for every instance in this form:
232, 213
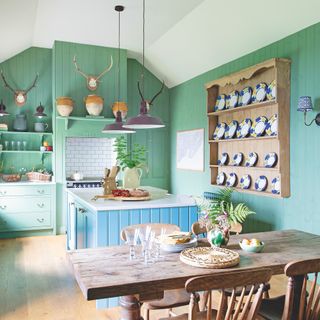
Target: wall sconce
40, 112
305, 105
3, 111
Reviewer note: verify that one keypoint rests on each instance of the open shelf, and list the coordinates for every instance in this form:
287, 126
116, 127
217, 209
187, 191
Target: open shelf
26, 133
260, 193
243, 108
250, 168
244, 139
26, 151
68, 120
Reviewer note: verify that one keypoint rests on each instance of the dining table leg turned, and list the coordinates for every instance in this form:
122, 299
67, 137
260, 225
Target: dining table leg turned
130, 308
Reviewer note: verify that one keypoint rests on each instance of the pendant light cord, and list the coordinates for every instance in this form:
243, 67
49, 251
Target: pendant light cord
119, 58
143, 43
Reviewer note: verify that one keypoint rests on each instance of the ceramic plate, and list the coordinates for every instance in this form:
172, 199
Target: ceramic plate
232, 100
259, 126
232, 180
272, 126
261, 183
231, 129
244, 128
220, 103
221, 177
237, 159
259, 92
219, 131
276, 186
251, 160
224, 159
270, 160
245, 96
272, 90
245, 182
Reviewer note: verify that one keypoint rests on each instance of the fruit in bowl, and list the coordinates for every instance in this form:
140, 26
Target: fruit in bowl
252, 245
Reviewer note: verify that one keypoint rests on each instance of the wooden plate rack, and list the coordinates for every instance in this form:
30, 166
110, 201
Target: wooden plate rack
267, 71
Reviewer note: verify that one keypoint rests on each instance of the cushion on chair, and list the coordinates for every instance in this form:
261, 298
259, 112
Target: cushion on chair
171, 299
228, 291
271, 309
200, 316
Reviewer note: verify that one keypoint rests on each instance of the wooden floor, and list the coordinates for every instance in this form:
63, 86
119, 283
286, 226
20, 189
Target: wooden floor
36, 283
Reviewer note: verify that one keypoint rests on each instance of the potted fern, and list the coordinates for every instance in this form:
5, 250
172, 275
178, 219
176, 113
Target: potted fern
218, 214
131, 162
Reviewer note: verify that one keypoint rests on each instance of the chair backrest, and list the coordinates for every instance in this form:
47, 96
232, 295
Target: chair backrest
308, 304
238, 308
156, 227
197, 228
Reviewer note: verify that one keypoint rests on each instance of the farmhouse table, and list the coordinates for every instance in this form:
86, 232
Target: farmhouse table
108, 272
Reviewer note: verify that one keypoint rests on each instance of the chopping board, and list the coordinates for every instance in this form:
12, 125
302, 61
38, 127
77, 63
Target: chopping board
112, 197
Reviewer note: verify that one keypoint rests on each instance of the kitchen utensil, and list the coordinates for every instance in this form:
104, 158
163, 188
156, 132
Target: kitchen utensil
20, 122
76, 176
114, 171
40, 127
106, 172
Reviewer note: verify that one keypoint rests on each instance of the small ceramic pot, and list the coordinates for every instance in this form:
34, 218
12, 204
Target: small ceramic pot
218, 237
20, 122
120, 106
64, 106
40, 126
94, 104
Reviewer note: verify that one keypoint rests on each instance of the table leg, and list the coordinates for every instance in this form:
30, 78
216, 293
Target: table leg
130, 308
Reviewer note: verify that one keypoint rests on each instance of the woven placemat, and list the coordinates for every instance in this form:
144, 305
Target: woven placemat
215, 258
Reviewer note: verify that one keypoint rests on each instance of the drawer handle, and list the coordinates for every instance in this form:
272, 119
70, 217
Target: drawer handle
40, 205
3, 193
40, 220
3, 207
41, 191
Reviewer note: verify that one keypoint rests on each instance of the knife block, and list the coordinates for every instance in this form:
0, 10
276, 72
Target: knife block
109, 184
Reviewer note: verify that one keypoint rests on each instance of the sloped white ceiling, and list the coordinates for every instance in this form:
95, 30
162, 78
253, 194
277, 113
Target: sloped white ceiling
184, 38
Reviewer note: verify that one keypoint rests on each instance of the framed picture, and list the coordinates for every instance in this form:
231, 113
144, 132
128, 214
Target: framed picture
190, 150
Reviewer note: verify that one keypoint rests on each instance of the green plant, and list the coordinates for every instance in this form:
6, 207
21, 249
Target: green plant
221, 209
136, 158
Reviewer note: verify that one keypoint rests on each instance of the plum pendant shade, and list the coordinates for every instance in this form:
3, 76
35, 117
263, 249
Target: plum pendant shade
3, 111
117, 126
144, 120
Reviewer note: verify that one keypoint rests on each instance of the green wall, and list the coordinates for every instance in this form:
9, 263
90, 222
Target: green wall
188, 111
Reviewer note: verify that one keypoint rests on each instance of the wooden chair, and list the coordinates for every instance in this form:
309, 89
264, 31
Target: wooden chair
298, 303
171, 298
245, 308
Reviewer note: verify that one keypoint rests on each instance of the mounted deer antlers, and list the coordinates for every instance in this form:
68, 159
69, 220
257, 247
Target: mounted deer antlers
149, 103
20, 96
92, 81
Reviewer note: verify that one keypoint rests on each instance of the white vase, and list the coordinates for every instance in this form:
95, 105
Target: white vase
131, 178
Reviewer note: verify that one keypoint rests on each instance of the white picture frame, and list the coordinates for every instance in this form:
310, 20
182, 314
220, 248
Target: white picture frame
190, 150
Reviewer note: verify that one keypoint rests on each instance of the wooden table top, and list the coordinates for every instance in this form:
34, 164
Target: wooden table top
108, 272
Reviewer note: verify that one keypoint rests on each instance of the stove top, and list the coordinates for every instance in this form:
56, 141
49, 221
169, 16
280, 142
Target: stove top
85, 183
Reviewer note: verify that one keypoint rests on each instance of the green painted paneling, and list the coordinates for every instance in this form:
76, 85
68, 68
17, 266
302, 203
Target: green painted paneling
20, 72
156, 140
188, 111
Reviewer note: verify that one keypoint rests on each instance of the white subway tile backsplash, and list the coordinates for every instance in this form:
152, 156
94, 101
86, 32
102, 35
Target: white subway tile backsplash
89, 156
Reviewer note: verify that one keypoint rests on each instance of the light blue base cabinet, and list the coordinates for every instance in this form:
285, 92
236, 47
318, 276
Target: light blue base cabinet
27, 209
89, 229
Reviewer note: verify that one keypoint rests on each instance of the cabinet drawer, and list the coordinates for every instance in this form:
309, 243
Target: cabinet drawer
24, 221
25, 190
25, 204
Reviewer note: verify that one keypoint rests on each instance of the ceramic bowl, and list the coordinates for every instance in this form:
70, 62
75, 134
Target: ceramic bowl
250, 248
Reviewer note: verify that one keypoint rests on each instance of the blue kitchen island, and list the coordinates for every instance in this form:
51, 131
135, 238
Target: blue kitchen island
97, 223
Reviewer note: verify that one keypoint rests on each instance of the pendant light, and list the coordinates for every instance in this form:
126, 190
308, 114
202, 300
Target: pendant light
40, 112
144, 120
3, 111
117, 126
